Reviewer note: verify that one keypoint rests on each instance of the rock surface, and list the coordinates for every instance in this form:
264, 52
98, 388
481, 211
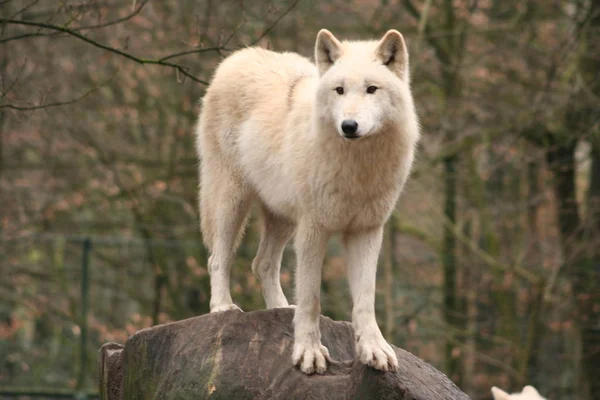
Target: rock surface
234, 355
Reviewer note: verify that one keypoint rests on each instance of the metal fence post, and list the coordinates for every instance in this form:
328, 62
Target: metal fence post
83, 324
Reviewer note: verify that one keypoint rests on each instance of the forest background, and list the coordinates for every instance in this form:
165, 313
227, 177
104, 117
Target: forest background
491, 264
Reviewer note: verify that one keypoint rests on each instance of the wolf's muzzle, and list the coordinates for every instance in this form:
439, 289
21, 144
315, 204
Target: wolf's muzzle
350, 127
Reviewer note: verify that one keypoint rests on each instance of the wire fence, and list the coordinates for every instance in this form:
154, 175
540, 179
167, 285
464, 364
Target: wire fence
64, 296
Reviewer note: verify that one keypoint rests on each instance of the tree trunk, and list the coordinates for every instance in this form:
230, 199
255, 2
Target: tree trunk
591, 330
233, 355
452, 309
589, 276
583, 270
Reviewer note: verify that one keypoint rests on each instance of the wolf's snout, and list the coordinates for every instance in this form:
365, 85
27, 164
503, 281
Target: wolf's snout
349, 127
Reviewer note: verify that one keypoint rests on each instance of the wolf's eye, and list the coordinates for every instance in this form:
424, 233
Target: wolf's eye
339, 90
372, 89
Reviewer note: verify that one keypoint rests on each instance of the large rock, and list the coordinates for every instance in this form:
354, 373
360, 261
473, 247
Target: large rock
234, 355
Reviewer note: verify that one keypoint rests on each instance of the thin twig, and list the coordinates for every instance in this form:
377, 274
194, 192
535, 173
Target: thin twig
270, 28
135, 12
80, 28
185, 53
86, 39
58, 103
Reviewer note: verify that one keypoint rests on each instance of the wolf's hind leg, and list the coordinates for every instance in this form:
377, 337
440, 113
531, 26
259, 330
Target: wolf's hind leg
276, 232
226, 201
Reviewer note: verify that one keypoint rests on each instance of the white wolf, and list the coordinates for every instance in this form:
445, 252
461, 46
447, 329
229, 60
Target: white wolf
323, 149
528, 393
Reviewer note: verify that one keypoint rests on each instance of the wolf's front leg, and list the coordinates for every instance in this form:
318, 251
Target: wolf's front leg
362, 251
309, 354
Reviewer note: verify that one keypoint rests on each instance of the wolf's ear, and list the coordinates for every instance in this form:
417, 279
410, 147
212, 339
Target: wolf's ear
327, 50
392, 52
531, 390
499, 394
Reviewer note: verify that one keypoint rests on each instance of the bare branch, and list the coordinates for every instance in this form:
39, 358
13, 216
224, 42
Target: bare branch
187, 52
179, 68
80, 28
135, 12
270, 28
55, 104
206, 49
24, 36
162, 61
25, 8
412, 10
426, 31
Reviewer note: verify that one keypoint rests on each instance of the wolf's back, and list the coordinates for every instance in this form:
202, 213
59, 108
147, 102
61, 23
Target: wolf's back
254, 75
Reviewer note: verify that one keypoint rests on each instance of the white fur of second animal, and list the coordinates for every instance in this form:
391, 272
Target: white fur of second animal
528, 393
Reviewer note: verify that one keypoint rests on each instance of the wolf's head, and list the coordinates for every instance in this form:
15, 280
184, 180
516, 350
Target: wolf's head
364, 86
528, 393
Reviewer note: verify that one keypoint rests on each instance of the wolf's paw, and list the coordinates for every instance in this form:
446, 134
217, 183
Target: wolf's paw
311, 357
225, 307
377, 353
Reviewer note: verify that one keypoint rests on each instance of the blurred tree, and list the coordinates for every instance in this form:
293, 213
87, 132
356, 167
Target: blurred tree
97, 107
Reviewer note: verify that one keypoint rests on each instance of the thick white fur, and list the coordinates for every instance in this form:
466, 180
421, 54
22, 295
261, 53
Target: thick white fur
528, 393
270, 132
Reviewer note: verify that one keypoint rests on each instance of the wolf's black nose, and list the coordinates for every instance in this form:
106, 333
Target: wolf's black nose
349, 127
